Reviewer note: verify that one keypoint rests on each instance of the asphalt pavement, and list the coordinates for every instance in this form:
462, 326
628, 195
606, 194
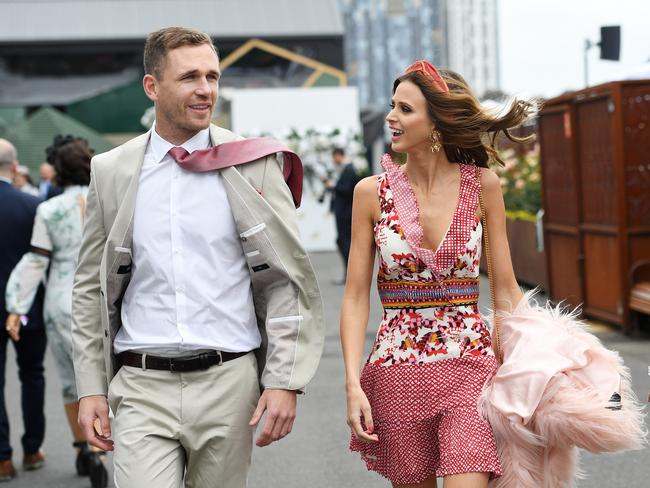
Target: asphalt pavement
316, 453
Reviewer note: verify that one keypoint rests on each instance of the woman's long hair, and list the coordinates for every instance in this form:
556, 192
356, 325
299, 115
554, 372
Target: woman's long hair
70, 157
469, 132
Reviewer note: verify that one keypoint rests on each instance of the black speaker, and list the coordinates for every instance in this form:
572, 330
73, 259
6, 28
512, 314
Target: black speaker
610, 42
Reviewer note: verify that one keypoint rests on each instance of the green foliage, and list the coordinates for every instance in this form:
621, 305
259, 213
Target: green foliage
521, 182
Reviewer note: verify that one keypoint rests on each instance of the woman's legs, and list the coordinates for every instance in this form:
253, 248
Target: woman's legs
72, 413
467, 480
464, 480
430, 483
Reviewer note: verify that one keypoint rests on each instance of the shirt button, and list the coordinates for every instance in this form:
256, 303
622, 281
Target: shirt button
180, 289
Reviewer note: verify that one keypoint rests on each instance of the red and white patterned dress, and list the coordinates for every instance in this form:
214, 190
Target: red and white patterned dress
433, 353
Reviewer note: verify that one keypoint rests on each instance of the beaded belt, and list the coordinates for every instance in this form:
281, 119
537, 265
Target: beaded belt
407, 294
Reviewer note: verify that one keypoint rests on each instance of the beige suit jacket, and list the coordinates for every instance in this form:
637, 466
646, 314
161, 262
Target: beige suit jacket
286, 296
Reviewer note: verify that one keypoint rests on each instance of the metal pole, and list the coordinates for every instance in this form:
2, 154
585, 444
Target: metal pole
588, 45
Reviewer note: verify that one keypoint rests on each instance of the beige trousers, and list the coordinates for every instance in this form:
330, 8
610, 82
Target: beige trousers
192, 427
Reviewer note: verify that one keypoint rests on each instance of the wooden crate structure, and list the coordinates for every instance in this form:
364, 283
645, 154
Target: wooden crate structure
595, 159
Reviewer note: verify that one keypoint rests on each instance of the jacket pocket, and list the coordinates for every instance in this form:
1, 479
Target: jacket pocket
253, 230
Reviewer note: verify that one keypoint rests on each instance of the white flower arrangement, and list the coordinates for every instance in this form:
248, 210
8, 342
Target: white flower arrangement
314, 145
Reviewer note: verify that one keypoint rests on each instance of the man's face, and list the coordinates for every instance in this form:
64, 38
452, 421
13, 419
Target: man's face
186, 92
46, 172
20, 180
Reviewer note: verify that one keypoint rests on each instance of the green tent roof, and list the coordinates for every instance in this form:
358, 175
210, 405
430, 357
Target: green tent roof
34, 134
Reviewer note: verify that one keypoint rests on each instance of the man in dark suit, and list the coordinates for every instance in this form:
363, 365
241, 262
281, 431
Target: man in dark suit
342, 203
17, 210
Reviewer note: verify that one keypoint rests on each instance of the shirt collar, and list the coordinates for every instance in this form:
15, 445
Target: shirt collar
6, 180
160, 147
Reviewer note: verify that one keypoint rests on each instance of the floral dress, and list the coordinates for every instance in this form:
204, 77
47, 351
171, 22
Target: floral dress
57, 230
432, 354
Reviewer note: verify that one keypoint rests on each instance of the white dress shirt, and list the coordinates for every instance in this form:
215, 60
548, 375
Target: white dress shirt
190, 287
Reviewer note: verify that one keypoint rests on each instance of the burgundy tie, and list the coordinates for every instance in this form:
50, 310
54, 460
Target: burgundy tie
240, 152
179, 154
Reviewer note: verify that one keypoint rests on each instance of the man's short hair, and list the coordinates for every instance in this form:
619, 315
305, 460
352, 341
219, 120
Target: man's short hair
338, 151
7, 154
162, 41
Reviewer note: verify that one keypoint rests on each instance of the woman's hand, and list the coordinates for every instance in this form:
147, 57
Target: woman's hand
13, 326
358, 411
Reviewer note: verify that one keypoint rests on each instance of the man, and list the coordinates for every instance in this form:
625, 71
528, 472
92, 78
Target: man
46, 188
17, 211
180, 276
23, 182
343, 191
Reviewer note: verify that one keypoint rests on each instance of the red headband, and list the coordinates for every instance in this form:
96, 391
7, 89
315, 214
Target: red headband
429, 71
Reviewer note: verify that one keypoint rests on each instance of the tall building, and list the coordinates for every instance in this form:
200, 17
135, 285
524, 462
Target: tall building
382, 37
472, 42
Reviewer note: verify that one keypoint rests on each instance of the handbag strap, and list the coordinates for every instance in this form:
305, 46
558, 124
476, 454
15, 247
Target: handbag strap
496, 335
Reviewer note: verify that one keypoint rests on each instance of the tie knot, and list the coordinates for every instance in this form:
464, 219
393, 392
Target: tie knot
178, 153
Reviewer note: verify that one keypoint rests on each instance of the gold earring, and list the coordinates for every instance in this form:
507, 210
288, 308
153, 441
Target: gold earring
436, 145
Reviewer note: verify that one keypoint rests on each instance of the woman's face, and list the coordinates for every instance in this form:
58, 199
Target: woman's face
408, 120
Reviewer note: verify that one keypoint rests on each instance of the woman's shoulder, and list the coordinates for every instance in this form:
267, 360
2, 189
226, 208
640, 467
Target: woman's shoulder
55, 204
367, 186
490, 181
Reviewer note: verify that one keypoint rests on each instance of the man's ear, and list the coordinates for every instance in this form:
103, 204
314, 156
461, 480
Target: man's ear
150, 85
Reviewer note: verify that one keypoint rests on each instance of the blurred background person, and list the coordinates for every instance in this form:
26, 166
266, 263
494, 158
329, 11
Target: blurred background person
23, 181
55, 241
47, 188
342, 191
17, 210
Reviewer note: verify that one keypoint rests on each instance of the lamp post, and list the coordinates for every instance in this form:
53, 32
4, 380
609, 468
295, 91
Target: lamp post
588, 45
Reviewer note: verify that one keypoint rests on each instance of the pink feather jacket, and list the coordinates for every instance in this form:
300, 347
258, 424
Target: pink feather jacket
549, 397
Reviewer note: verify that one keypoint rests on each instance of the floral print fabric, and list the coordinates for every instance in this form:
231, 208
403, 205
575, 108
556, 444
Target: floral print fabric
430, 298
57, 228
432, 354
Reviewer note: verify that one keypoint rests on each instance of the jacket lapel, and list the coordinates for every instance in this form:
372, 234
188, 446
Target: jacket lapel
127, 180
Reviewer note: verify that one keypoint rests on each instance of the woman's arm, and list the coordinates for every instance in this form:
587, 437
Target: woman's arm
355, 306
30, 270
506, 289
26, 276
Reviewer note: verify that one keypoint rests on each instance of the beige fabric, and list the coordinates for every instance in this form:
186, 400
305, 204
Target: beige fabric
165, 421
287, 299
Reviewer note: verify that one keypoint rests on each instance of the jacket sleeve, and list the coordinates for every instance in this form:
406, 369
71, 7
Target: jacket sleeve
87, 333
292, 307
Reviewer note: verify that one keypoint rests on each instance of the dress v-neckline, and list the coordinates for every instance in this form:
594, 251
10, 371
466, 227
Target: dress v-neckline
408, 212
418, 212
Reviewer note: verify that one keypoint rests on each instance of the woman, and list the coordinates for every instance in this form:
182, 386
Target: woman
413, 410
55, 243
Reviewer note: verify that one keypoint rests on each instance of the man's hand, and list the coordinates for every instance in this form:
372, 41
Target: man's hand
93, 420
280, 406
13, 325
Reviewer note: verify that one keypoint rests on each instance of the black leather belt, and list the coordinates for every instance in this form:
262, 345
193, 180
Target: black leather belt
178, 365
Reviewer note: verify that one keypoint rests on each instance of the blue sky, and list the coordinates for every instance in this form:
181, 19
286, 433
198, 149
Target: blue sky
542, 42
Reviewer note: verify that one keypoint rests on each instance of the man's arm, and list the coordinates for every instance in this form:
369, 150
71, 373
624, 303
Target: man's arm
295, 334
87, 333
